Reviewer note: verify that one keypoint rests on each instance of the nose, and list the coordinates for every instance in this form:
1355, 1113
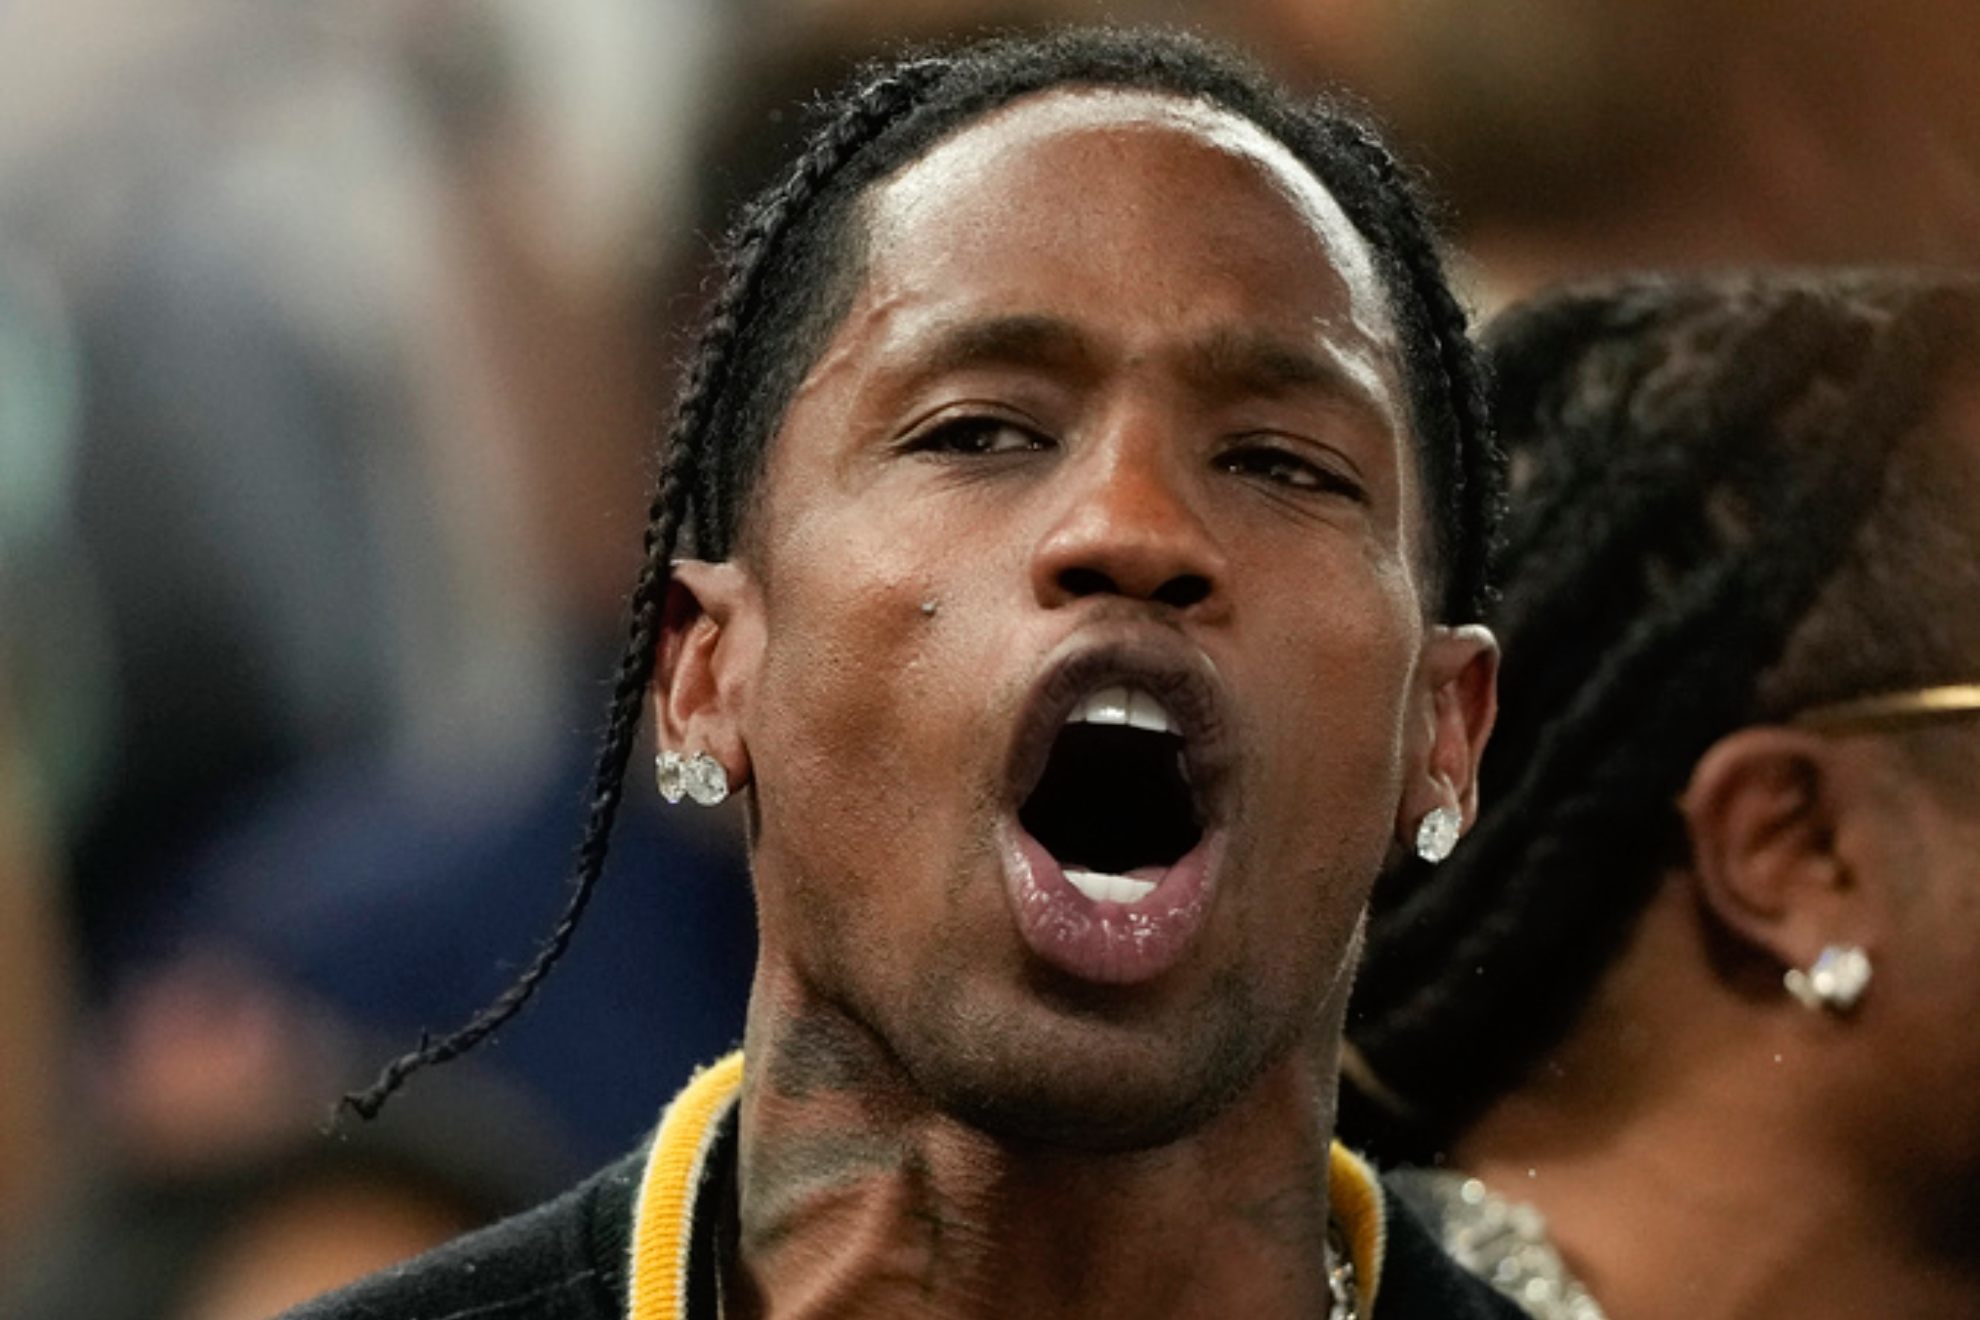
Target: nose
1127, 527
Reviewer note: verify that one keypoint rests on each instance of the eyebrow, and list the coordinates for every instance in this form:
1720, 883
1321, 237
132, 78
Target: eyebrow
1239, 363
1019, 341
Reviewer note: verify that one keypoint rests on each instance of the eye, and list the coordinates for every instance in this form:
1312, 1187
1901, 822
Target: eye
977, 434
1284, 467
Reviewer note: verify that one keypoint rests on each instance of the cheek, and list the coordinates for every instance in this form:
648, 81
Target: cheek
1939, 900
882, 625
828, 764
841, 673
868, 709
1337, 729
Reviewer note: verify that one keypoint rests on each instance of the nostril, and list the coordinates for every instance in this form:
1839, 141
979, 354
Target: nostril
1077, 582
1179, 592
1183, 590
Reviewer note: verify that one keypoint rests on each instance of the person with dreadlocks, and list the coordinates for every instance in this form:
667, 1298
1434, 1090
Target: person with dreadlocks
1691, 1006
1069, 537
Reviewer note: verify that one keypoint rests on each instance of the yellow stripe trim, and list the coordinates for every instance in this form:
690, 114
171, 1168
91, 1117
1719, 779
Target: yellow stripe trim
1354, 1199
663, 1218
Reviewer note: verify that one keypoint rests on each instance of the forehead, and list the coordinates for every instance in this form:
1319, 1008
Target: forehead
1150, 188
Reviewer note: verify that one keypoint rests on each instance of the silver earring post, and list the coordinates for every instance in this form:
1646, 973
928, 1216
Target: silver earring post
1834, 981
1437, 834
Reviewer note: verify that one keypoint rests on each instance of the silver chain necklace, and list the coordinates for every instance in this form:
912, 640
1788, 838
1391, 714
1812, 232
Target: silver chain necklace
1343, 1288
1503, 1242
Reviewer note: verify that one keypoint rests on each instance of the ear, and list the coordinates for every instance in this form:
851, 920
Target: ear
1764, 811
711, 640
1458, 698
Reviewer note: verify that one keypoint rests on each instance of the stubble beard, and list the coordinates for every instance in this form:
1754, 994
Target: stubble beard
1062, 1071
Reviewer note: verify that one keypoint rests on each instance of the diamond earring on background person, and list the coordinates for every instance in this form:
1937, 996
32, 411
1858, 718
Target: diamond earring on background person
1835, 980
1437, 834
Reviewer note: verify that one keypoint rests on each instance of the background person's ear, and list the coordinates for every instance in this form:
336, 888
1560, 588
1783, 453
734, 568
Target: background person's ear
1764, 811
1458, 700
711, 639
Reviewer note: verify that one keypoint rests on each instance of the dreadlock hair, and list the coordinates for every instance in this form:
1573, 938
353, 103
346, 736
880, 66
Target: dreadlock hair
794, 262
1726, 508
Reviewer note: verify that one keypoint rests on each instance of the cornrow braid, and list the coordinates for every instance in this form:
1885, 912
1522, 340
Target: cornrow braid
1699, 463
793, 264
1470, 473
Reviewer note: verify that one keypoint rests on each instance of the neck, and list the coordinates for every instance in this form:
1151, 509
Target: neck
1710, 1155
857, 1196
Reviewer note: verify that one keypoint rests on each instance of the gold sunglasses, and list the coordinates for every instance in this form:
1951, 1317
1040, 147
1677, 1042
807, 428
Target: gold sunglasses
1892, 710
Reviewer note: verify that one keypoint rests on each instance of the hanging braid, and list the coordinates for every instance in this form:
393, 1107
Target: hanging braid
803, 240
667, 518
1699, 465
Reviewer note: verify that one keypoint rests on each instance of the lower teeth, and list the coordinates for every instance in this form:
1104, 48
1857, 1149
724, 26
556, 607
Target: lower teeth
1104, 888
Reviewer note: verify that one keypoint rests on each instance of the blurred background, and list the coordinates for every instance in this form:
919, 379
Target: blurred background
333, 340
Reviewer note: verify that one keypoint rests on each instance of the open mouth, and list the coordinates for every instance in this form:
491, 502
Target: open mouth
1115, 806
1121, 773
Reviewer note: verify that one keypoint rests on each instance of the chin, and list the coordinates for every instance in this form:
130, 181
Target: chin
1077, 1078
1098, 1115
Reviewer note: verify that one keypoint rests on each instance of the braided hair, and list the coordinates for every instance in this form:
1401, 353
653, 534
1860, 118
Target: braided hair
1726, 509
794, 262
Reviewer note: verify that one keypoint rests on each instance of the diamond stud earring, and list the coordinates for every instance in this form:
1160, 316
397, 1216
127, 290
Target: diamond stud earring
699, 778
1437, 834
670, 775
1835, 980
706, 781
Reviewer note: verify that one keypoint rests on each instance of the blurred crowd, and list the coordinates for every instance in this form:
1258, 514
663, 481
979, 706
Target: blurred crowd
333, 340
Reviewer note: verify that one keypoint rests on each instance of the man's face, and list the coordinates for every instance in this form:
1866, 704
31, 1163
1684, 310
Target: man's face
1113, 428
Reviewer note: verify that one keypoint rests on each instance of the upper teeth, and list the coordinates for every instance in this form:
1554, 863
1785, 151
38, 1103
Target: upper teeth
1122, 705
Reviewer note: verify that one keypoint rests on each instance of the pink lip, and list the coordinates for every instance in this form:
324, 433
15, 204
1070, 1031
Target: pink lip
1108, 943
